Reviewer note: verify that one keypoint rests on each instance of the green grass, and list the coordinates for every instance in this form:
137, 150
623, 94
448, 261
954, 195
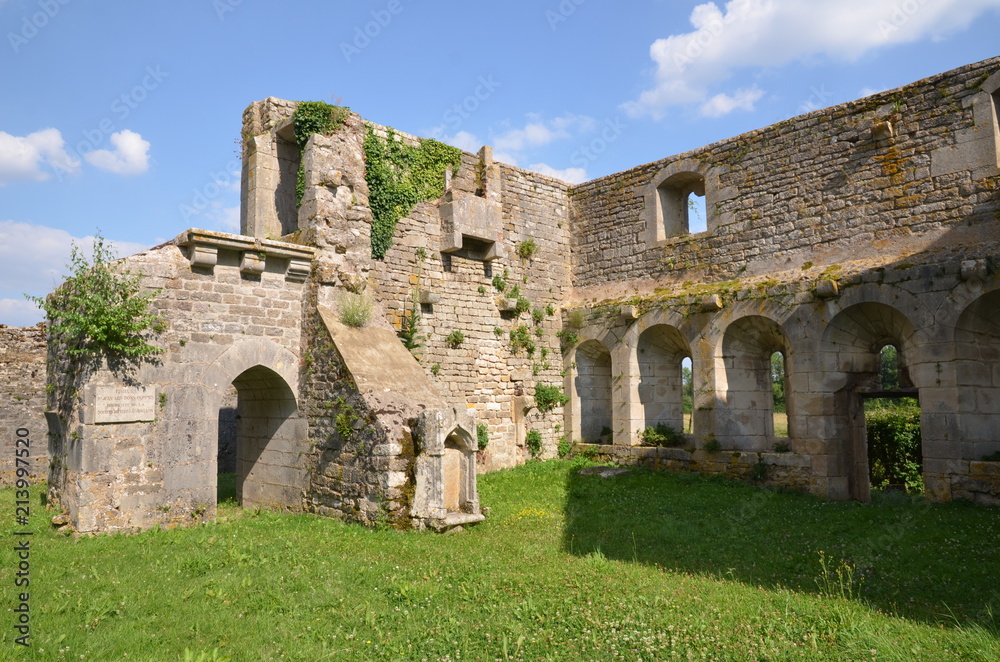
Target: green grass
641, 567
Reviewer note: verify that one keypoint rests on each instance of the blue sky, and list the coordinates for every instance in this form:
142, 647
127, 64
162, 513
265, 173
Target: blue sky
123, 116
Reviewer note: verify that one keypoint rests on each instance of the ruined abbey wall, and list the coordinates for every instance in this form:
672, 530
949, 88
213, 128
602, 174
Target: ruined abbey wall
829, 236
886, 175
22, 405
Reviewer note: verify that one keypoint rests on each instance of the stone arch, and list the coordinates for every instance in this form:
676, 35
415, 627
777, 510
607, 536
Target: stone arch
747, 346
849, 370
977, 376
271, 435
666, 199
445, 469
592, 392
660, 348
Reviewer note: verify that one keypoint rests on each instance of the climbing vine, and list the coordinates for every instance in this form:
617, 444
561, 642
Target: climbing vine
313, 117
399, 176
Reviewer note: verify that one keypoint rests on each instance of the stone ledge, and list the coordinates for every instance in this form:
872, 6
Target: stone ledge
203, 248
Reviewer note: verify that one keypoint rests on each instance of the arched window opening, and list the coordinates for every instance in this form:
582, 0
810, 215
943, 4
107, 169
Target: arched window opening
888, 368
697, 214
779, 401
661, 348
680, 198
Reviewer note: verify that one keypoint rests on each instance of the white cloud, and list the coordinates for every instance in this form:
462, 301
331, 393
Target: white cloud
512, 144
571, 175
539, 132
34, 259
130, 157
20, 312
766, 33
29, 158
723, 104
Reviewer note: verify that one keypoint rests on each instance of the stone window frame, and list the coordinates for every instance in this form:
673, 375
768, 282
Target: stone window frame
678, 180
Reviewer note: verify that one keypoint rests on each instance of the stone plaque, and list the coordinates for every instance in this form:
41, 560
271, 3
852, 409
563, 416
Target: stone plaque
123, 404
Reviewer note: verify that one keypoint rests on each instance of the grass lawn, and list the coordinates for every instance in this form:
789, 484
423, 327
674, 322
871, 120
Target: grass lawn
645, 566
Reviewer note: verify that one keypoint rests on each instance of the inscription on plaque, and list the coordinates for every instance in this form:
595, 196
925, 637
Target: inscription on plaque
122, 404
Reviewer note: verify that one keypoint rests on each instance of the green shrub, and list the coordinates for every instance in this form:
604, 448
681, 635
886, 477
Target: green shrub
313, 117
537, 315
455, 339
101, 309
355, 310
712, 444
533, 440
482, 435
894, 453
523, 305
409, 327
520, 338
527, 249
499, 284
567, 339
564, 447
436, 369
782, 447
661, 435
548, 397
992, 457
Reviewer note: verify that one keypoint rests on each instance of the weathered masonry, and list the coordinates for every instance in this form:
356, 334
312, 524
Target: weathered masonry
829, 237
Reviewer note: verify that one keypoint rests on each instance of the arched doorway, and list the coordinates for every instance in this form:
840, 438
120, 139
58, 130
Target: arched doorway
593, 391
271, 442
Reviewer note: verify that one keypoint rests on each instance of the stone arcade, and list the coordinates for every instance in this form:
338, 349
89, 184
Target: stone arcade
829, 236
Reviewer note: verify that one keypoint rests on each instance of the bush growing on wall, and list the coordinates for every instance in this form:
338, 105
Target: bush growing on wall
101, 308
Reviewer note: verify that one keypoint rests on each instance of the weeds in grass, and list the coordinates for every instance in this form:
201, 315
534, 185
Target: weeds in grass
838, 579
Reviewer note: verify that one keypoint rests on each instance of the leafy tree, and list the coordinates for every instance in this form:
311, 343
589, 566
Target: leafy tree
101, 307
778, 381
888, 367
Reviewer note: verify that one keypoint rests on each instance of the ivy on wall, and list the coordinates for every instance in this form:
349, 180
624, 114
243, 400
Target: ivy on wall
399, 176
313, 117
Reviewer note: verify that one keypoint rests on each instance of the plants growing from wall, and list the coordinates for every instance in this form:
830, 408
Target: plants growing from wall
409, 327
548, 397
533, 440
399, 176
101, 308
520, 338
527, 249
313, 117
355, 310
482, 435
455, 339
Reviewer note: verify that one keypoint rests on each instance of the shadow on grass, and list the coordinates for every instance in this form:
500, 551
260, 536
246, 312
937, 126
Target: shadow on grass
937, 563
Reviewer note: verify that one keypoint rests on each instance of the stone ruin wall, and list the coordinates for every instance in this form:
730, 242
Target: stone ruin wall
497, 383
875, 220
22, 405
230, 304
868, 223
824, 188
